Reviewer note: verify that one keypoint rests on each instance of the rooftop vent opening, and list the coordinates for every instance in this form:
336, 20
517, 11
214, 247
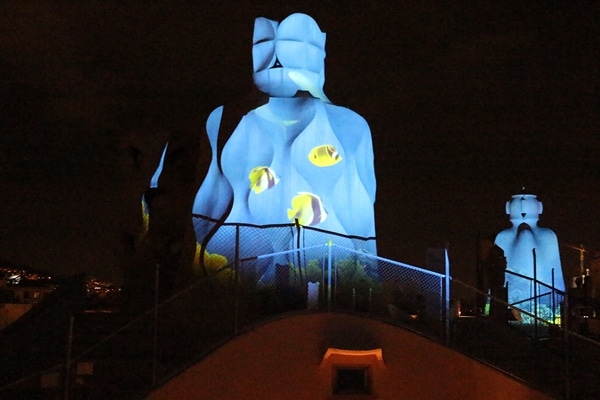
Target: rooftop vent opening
352, 380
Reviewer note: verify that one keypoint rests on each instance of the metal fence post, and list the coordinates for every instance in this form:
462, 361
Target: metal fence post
553, 299
155, 327
565, 324
68, 358
329, 244
447, 294
535, 294
235, 277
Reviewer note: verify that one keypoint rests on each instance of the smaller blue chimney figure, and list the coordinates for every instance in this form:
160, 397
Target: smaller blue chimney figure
531, 252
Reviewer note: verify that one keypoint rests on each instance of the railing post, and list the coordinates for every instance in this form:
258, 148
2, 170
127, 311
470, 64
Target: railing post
553, 300
329, 251
535, 299
298, 243
68, 358
235, 277
447, 294
297, 223
565, 324
155, 327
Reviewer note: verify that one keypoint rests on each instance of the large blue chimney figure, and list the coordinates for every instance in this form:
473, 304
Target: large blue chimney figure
531, 252
294, 157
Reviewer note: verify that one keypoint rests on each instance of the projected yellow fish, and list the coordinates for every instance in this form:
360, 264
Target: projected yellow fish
262, 178
324, 156
308, 209
145, 219
212, 262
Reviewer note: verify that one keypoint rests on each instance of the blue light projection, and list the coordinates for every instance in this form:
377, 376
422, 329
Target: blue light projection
519, 243
297, 156
153, 185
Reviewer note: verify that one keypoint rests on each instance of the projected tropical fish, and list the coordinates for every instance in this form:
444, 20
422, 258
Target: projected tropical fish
307, 208
213, 265
262, 178
212, 262
324, 156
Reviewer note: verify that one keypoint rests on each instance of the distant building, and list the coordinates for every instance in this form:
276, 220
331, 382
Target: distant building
17, 299
30, 293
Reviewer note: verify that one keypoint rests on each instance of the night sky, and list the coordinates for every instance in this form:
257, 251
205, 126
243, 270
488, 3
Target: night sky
468, 102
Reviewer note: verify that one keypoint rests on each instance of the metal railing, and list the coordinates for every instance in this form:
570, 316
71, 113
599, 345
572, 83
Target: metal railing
115, 356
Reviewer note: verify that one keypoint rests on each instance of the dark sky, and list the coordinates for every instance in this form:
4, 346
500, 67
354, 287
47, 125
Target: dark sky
467, 102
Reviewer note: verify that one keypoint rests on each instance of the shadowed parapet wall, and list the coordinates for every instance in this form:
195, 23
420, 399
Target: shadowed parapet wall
9, 313
284, 359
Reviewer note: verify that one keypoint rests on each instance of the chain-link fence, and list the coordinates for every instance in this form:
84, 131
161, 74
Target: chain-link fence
535, 298
115, 356
279, 269
335, 278
539, 349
